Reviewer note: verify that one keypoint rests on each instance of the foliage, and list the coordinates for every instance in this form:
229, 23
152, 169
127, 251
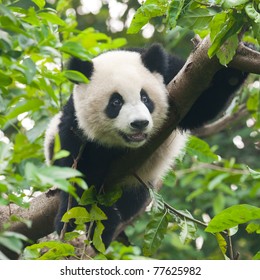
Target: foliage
49, 250
211, 182
35, 44
222, 20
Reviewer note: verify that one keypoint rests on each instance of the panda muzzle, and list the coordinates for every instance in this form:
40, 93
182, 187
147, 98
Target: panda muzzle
135, 137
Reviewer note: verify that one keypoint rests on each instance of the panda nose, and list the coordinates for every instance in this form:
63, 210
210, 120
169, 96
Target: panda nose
139, 124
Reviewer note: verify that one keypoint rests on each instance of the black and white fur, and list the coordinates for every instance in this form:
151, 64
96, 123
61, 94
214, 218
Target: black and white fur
123, 105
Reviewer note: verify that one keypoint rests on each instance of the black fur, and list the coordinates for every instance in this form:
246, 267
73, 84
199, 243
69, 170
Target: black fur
96, 159
147, 101
114, 105
94, 164
225, 82
155, 59
85, 67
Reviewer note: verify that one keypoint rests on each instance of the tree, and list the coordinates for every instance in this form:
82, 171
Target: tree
28, 62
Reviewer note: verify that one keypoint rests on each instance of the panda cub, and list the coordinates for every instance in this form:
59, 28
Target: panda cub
123, 105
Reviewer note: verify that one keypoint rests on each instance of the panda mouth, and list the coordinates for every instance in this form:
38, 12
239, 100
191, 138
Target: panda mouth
135, 137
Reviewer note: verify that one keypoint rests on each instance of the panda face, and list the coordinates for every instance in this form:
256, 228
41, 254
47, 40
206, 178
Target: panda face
132, 117
124, 104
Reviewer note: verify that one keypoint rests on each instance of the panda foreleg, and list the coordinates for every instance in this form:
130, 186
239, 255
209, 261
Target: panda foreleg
132, 201
214, 99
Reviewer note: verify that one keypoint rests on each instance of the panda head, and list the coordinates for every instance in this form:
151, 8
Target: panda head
126, 100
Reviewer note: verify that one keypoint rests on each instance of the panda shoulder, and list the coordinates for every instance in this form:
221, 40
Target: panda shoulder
52, 130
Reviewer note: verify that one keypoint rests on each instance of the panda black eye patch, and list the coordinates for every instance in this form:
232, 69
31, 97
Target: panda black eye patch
147, 101
114, 105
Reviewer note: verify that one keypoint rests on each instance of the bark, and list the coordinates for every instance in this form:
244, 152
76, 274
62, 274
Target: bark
184, 89
221, 124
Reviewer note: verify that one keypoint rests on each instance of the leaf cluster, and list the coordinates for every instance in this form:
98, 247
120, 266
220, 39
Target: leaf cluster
224, 20
35, 45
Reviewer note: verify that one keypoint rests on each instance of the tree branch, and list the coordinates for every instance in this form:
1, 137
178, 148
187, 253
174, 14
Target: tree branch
184, 89
221, 123
246, 60
41, 212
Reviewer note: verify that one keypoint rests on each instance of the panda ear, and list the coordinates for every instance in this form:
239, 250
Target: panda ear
84, 67
155, 59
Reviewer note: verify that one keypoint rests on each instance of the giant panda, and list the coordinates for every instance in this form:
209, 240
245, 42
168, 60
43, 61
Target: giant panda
124, 104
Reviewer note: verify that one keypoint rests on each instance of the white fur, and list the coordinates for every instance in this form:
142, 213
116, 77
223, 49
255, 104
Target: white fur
122, 72
157, 166
51, 131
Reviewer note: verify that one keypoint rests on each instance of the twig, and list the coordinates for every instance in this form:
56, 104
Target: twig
230, 247
177, 212
74, 166
169, 207
203, 166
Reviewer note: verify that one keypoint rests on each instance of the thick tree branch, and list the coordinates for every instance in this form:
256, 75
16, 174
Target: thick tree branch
246, 60
184, 89
221, 123
41, 212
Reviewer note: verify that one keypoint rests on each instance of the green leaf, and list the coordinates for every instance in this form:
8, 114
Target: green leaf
88, 196
198, 18
255, 174
56, 250
63, 5
218, 203
52, 172
174, 10
252, 12
158, 202
228, 50
148, 10
76, 49
200, 149
7, 12
24, 106
188, 228
253, 227
60, 154
80, 214
71, 235
75, 76
110, 197
52, 18
223, 26
39, 3
97, 239
29, 69
217, 180
52, 176
227, 4
256, 31
96, 214
155, 232
221, 243
5, 80
233, 216
257, 256
13, 241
